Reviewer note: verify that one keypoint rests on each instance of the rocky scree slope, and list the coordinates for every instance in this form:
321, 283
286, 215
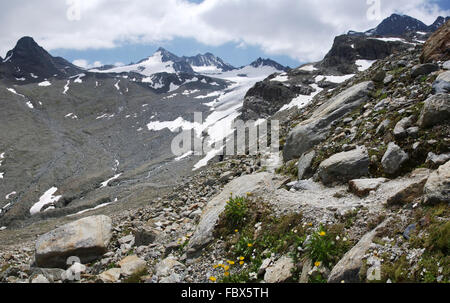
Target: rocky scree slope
369, 197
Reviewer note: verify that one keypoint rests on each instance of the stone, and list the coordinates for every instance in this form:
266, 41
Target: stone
279, 272
132, 265
435, 111
305, 185
51, 274
348, 268
345, 166
203, 234
388, 79
437, 188
411, 189
424, 69
145, 236
436, 47
446, 65
110, 276
379, 76
383, 127
315, 129
393, 158
400, 128
127, 240
306, 269
87, 239
363, 187
40, 279
173, 278
442, 84
304, 165
437, 159
408, 231
167, 266
74, 272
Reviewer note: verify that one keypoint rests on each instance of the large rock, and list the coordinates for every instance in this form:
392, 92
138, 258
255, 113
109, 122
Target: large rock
132, 265
111, 275
304, 165
345, 166
280, 272
437, 188
436, 47
424, 69
362, 187
86, 239
435, 111
400, 129
348, 267
145, 236
393, 158
442, 84
238, 187
314, 130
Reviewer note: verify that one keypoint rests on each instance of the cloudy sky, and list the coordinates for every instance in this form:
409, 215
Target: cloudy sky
95, 32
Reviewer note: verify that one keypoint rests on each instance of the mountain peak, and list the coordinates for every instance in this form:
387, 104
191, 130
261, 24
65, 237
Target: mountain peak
268, 62
28, 58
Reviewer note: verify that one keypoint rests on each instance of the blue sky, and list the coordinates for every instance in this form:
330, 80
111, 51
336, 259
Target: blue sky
291, 32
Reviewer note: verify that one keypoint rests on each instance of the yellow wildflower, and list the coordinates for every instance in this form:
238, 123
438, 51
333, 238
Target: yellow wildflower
236, 230
227, 268
250, 245
241, 258
231, 262
242, 262
227, 274
317, 264
322, 233
213, 279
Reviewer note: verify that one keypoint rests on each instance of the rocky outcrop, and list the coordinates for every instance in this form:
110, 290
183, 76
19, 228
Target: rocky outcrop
437, 188
393, 158
314, 130
348, 267
268, 97
436, 111
437, 46
86, 239
238, 187
411, 189
345, 166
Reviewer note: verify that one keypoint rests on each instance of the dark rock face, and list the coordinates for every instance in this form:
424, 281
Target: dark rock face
28, 58
397, 25
268, 97
347, 49
438, 23
424, 69
179, 64
267, 62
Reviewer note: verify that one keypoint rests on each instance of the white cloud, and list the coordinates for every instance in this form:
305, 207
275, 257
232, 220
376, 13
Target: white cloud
302, 29
85, 64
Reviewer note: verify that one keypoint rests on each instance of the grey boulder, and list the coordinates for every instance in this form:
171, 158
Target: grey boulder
345, 166
435, 111
424, 69
393, 158
86, 239
437, 188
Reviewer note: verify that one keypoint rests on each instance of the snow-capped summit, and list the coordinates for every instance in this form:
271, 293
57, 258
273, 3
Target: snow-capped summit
398, 25
30, 62
208, 63
162, 61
